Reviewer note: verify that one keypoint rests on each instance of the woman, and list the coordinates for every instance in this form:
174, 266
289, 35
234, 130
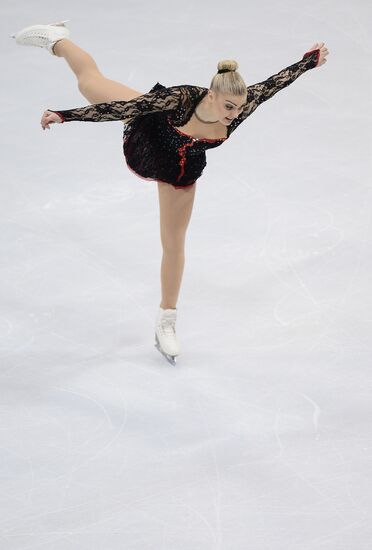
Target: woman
166, 134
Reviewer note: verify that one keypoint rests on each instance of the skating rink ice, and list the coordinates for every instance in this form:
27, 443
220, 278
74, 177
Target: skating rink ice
260, 437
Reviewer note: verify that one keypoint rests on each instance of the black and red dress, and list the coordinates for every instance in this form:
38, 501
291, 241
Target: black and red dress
153, 147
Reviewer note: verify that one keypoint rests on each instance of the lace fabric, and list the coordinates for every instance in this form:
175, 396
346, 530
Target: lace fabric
168, 326
159, 100
153, 148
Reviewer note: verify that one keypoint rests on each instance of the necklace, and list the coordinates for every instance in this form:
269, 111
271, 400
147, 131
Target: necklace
205, 121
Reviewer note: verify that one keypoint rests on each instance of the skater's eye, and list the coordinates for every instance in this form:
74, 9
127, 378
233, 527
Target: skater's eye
229, 107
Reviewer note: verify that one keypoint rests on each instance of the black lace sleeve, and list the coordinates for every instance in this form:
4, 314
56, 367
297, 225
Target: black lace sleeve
262, 91
166, 99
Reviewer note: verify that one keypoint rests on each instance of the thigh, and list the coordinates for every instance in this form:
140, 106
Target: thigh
98, 89
175, 212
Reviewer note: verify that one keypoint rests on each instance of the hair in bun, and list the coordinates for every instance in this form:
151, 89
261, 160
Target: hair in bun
227, 80
229, 64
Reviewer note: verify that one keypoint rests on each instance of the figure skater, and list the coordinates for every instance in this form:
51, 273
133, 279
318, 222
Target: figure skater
166, 133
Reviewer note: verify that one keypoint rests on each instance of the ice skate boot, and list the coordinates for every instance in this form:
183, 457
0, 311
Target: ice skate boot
42, 36
165, 334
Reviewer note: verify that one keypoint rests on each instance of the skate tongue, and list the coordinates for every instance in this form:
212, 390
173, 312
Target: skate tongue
169, 314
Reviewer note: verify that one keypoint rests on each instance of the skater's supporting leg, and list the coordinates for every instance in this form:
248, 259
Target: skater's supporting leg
92, 84
175, 213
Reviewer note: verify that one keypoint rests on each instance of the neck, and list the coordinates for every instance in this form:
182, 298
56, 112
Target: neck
204, 112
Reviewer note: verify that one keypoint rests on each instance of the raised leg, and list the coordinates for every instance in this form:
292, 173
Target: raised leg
175, 213
95, 87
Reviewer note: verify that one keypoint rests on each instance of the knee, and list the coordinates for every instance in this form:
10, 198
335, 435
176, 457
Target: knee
173, 244
88, 81
83, 87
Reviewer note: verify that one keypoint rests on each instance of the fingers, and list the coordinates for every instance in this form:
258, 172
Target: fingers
43, 122
46, 120
323, 51
318, 46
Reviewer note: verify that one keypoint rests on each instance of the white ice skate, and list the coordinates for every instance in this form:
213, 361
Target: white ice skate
42, 36
165, 334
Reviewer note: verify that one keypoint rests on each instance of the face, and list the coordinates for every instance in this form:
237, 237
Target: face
226, 107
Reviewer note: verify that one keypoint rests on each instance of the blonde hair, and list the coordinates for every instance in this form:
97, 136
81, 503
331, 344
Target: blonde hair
230, 82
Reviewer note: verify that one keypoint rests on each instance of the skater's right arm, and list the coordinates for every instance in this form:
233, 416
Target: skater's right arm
168, 99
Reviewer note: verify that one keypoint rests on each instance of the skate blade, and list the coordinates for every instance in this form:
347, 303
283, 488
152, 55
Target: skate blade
60, 23
57, 24
170, 358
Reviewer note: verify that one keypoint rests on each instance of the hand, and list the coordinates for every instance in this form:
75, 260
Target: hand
323, 51
49, 118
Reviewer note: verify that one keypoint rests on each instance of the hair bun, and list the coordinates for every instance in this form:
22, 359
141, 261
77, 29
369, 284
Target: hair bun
229, 64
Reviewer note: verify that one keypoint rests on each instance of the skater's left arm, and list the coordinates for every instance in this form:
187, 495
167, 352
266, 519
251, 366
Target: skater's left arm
262, 91
168, 99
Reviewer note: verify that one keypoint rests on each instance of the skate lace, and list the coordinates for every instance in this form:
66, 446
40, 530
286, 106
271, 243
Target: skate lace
168, 326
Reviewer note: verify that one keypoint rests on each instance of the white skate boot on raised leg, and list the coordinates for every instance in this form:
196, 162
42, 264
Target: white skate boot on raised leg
165, 334
42, 36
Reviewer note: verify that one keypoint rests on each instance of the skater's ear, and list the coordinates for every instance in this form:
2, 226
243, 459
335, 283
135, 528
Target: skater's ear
211, 95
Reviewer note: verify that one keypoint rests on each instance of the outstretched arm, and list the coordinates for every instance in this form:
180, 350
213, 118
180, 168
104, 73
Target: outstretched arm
262, 91
167, 99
